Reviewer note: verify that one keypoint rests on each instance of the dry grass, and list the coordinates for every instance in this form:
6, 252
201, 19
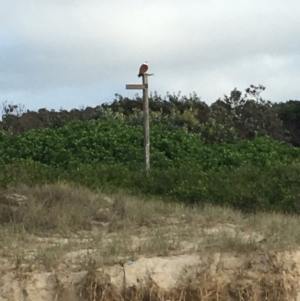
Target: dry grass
61, 227
200, 286
59, 219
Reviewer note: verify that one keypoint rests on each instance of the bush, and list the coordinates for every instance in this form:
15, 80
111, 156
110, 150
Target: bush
261, 174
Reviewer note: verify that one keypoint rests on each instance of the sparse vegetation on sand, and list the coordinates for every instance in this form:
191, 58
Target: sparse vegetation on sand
61, 227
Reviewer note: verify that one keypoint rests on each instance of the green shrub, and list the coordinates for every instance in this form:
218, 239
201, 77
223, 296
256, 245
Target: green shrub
261, 174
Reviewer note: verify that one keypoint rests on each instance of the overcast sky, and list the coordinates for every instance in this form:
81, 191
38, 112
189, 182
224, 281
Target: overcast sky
71, 53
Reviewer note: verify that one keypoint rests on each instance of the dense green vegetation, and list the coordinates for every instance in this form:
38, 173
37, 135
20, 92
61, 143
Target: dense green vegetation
258, 174
240, 151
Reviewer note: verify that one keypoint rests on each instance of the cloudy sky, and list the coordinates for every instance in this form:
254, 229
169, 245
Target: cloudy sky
71, 53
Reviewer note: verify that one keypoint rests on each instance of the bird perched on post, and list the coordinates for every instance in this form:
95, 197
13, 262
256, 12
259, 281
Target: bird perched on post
143, 69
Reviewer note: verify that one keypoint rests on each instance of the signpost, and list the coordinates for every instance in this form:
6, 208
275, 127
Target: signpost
144, 87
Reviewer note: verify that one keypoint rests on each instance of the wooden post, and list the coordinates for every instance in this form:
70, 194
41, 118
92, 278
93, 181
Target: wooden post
146, 122
144, 87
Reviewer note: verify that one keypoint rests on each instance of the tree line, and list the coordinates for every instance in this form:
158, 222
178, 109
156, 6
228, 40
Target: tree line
234, 117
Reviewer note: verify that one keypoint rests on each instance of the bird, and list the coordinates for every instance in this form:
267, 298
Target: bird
143, 69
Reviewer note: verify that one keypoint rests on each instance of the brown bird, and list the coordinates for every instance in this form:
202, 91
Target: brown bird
143, 69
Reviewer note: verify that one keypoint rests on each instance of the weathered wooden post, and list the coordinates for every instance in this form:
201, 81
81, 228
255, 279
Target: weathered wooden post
144, 87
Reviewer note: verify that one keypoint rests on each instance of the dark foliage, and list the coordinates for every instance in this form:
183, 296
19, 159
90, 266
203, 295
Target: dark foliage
230, 119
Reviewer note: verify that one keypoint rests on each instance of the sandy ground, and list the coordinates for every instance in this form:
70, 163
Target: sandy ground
121, 251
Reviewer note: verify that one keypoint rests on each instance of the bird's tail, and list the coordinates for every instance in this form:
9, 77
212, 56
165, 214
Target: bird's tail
140, 74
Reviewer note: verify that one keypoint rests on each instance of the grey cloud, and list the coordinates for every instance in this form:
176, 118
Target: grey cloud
205, 46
